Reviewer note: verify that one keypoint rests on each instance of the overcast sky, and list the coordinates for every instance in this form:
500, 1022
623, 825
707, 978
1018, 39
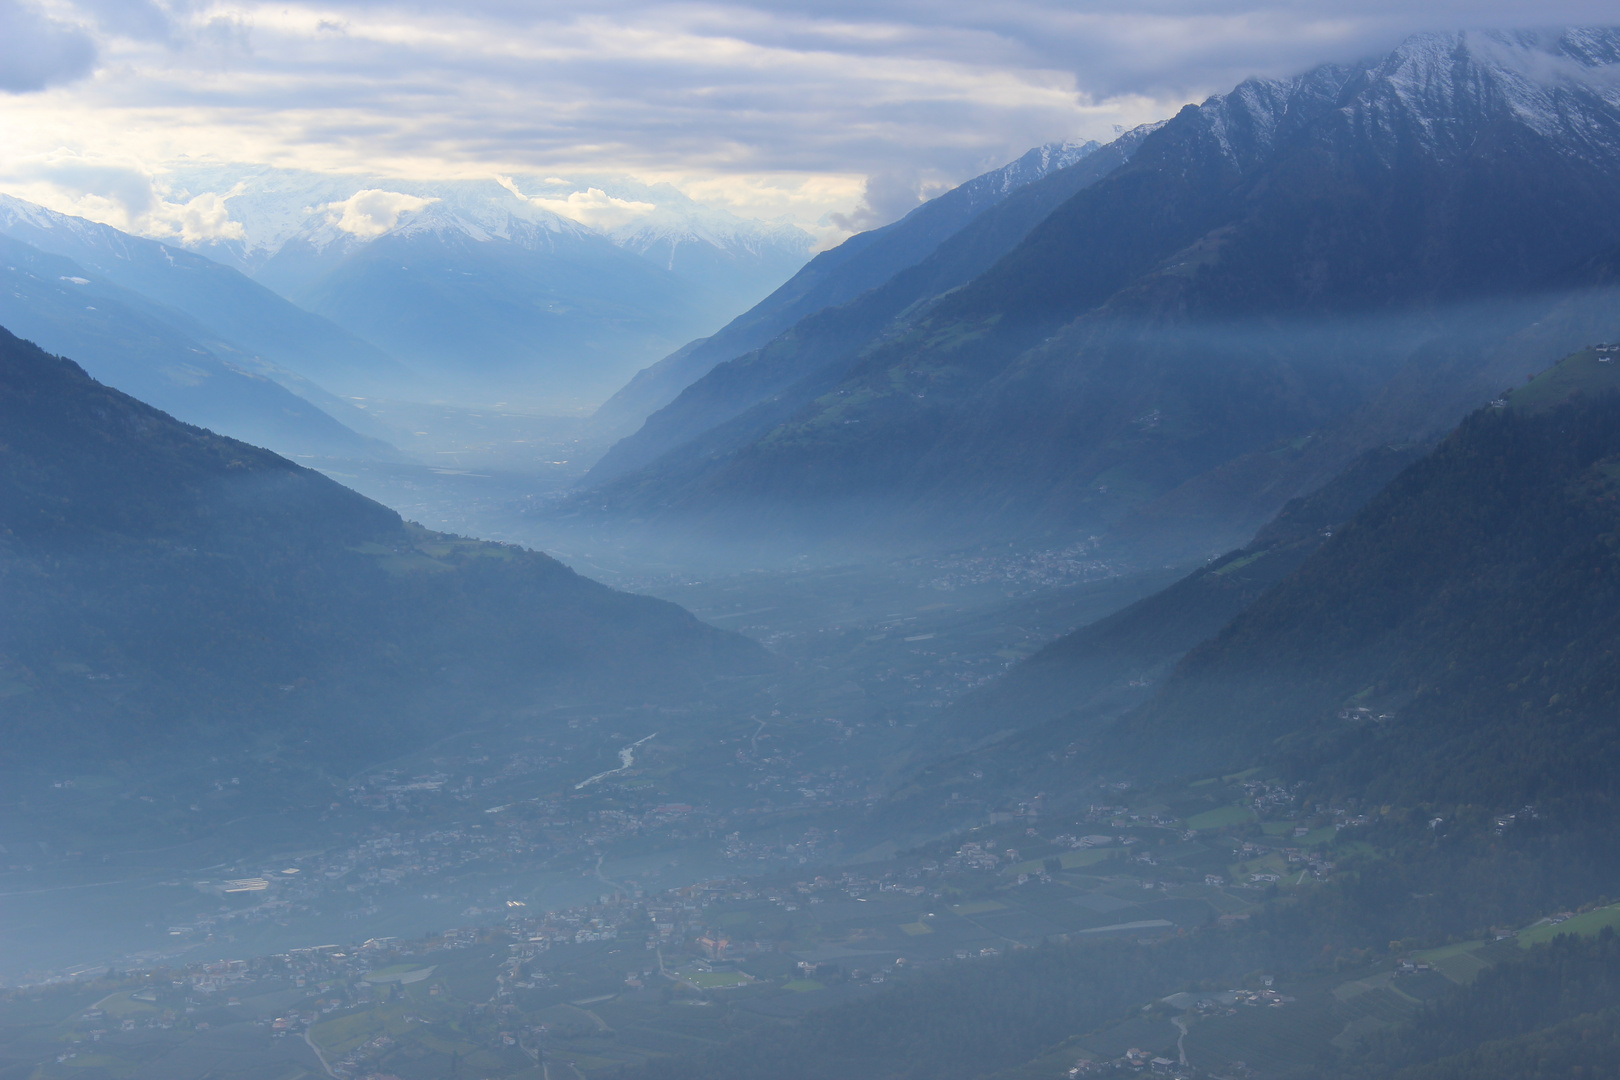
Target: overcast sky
797, 108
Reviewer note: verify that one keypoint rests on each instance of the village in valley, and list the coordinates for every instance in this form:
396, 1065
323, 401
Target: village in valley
662, 950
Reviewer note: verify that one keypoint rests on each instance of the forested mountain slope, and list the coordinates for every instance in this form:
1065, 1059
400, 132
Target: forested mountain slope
169, 590
757, 389
864, 261
1101, 670
1267, 268
1454, 643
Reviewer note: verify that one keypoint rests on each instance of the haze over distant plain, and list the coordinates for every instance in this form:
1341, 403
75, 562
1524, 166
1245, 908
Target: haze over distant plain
837, 115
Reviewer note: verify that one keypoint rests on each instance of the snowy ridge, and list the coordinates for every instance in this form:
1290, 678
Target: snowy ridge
1436, 93
1038, 162
1247, 123
1029, 168
275, 206
17, 216
1443, 88
480, 211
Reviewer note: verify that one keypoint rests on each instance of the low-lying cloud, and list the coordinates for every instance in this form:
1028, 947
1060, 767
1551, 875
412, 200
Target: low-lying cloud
592, 207
123, 194
372, 212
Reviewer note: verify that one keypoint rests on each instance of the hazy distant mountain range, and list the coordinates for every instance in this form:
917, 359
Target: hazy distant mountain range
197, 339
526, 289
1275, 280
508, 301
542, 294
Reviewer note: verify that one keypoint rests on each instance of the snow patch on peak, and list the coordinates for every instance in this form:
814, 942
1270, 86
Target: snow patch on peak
1042, 160
1436, 93
272, 206
1028, 168
1564, 86
1247, 123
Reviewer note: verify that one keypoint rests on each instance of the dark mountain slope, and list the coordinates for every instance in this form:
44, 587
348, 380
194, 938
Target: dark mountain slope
741, 397
1442, 380
133, 344
169, 590
1264, 265
1454, 643
834, 277
1103, 669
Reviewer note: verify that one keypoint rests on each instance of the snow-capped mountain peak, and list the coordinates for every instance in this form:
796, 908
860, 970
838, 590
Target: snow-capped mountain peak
1436, 94
276, 206
1562, 86
480, 211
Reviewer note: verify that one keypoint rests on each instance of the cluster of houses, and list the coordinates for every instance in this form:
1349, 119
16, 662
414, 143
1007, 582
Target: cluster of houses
1053, 568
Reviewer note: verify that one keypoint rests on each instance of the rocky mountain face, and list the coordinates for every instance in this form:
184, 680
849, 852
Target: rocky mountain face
1277, 280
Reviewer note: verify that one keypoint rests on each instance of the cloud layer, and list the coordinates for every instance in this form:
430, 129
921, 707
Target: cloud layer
37, 51
805, 108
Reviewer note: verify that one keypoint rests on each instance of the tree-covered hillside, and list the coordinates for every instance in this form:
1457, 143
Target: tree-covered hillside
1100, 670
166, 587
1305, 266
1455, 642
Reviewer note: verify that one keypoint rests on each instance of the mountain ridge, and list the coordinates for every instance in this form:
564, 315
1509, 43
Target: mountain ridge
162, 355
172, 590
834, 277
1264, 264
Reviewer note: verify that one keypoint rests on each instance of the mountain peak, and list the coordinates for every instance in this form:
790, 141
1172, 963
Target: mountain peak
1442, 87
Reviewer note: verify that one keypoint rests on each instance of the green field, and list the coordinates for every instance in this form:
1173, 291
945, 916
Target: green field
122, 1005
1069, 860
1581, 371
1460, 963
400, 973
978, 908
916, 928
1586, 925
344, 1033
710, 980
1221, 817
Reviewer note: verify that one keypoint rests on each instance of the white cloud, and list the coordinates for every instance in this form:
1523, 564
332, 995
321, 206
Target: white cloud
372, 212
805, 108
121, 193
201, 218
595, 208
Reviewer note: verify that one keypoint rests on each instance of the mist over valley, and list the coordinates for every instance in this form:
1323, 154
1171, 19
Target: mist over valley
621, 594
